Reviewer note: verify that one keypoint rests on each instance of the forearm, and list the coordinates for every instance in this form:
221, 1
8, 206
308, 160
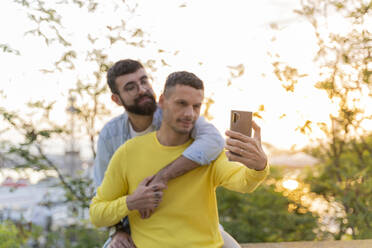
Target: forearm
177, 168
108, 213
245, 180
255, 177
236, 176
109, 205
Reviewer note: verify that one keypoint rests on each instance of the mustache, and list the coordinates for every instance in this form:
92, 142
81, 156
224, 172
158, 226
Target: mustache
186, 119
146, 94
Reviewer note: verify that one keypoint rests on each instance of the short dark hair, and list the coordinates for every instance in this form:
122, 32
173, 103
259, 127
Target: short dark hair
122, 67
183, 78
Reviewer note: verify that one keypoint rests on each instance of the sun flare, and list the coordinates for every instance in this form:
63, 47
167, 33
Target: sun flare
290, 184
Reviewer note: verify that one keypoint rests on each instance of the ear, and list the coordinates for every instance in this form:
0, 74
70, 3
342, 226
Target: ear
116, 99
161, 101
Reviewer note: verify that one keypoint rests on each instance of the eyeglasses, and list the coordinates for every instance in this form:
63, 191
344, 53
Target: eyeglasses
132, 88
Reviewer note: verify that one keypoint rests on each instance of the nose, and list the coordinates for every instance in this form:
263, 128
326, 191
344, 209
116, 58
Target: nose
189, 112
141, 89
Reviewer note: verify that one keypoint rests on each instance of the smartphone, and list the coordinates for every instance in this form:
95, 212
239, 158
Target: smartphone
241, 121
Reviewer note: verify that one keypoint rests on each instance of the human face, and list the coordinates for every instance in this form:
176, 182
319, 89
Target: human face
135, 93
181, 108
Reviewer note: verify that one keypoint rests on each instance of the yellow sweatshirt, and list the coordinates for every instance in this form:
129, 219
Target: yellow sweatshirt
187, 215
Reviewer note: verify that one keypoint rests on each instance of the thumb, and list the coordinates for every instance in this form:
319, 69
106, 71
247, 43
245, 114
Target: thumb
257, 131
147, 180
160, 186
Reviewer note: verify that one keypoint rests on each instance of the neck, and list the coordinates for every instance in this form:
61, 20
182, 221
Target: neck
168, 137
140, 122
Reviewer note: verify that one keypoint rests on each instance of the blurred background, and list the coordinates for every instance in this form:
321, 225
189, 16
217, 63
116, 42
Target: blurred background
302, 67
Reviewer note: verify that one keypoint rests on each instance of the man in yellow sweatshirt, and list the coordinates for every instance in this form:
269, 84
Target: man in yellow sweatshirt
186, 211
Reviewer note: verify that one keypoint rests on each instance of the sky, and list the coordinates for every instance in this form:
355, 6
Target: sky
208, 35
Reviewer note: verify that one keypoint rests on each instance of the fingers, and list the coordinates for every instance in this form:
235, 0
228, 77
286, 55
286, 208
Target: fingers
120, 243
142, 213
233, 157
126, 244
152, 201
158, 186
147, 180
158, 195
131, 242
244, 138
250, 146
153, 196
146, 213
155, 199
236, 135
250, 163
254, 162
249, 153
235, 149
147, 197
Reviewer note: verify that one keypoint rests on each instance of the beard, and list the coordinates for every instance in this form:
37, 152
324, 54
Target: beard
147, 108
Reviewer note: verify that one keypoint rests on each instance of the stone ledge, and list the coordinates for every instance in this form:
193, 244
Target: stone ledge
314, 244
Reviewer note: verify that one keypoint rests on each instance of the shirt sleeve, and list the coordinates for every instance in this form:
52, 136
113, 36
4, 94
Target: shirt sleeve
236, 176
103, 156
109, 205
208, 143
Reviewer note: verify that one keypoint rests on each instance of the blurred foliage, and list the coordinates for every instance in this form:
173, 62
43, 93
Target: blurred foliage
7, 49
37, 131
265, 215
87, 97
88, 100
87, 106
208, 102
344, 66
346, 179
77, 237
23, 235
10, 236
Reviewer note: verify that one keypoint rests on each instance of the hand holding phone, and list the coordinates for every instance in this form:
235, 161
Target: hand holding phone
240, 145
